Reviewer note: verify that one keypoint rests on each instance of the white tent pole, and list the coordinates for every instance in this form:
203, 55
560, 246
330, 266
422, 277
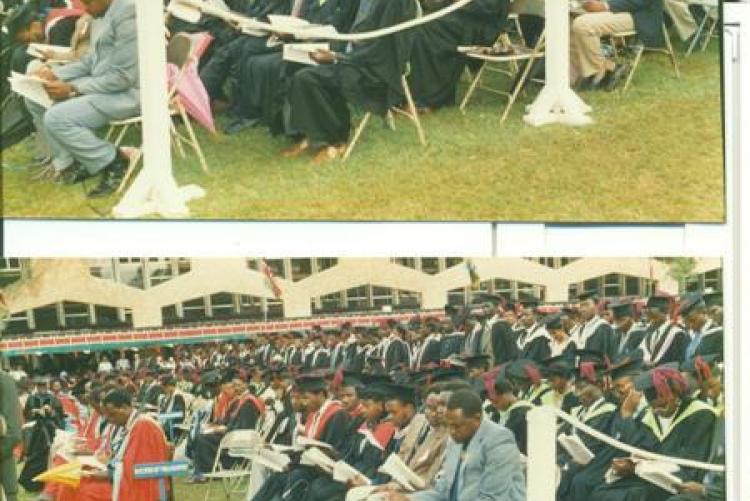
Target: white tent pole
541, 467
155, 190
557, 103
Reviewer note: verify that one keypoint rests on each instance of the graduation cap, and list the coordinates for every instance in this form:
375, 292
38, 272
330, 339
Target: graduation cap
560, 365
448, 373
169, 381
713, 299
691, 302
661, 304
662, 381
352, 379
553, 321
532, 303
524, 369
312, 383
404, 393
375, 379
627, 367
592, 294
622, 310
40, 379
330, 331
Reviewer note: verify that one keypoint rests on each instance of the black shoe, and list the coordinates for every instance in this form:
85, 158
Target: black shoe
613, 78
239, 124
73, 175
587, 84
112, 176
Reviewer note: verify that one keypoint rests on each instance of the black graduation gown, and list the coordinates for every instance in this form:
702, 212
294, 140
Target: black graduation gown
264, 79
368, 77
231, 48
452, 345
397, 355
676, 350
436, 65
504, 347
205, 446
712, 343
603, 340
516, 423
578, 482
536, 350
631, 345
431, 352
689, 439
41, 437
297, 480
178, 405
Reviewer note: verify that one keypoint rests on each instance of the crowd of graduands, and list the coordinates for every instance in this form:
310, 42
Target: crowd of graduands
251, 85
437, 391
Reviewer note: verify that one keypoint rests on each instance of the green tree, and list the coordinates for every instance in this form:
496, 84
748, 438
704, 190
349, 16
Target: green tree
681, 269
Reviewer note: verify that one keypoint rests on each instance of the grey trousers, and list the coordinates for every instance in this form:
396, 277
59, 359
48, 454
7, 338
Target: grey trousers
69, 129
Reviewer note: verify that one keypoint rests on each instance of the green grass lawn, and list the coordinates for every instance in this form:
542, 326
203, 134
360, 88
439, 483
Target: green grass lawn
653, 154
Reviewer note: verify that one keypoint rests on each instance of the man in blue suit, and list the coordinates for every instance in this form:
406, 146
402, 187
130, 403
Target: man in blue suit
482, 462
88, 94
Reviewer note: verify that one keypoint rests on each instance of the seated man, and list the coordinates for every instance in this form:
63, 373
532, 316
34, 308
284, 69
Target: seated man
589, 67
436, 65
368, 76
481, 459
242, 413
143, 442
101, 87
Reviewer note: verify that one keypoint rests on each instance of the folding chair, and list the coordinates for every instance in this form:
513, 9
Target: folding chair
232, 478
181, 51
410, 112
707, 24
516, 54
620, 44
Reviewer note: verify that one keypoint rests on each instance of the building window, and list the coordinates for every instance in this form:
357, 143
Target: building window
130, 271
457, 297
46, 318
382, 296
453, 261
169, 315
431, 265
408, 300
713, 280
222, 305
409, 262
252, 264
251, 307
107, 316
18, 323
301, 269
612, 285
632, 286
326, 262
357, 299
277, 267
194, 309
77, 315
10, 264
330, 303
159, 271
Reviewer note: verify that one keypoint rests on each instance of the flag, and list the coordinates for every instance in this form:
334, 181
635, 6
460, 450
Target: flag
270, 279
473, 275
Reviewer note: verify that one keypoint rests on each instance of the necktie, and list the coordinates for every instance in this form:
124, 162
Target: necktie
454, 486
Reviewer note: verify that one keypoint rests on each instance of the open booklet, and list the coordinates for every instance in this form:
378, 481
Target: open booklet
271, 459
302, 29
315, 457
659, 473
574, 446
300, 52
38, 50
30, 87
401, 473
344, 472
365, 493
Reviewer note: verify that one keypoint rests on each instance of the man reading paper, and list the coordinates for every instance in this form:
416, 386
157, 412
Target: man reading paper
101, 87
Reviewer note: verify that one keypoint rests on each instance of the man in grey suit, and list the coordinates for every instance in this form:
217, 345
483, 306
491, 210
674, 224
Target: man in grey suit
482, 462
88, 94
10, 435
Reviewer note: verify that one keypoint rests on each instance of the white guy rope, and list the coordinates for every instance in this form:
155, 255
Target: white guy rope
687, 463
254, 24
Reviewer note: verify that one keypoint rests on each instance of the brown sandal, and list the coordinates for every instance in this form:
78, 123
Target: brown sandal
296, 150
